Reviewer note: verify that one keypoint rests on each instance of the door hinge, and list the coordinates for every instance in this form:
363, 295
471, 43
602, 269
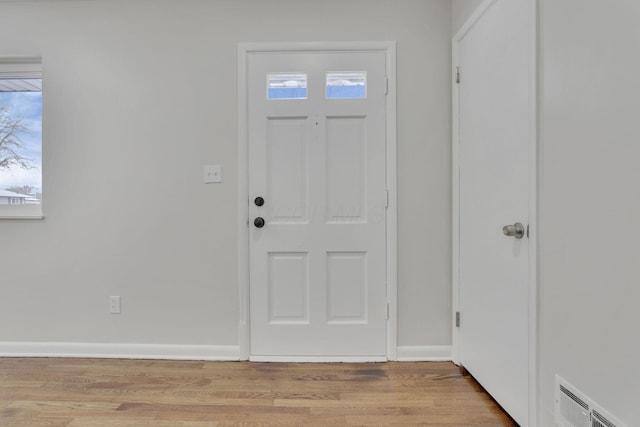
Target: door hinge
458, 75
387, 315
457, 319
386, 203
386, 86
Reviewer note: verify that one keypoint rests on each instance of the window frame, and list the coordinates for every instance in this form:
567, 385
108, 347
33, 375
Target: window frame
27, 68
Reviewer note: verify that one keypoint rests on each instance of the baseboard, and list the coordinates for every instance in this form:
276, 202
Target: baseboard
427, 353
120, 351
193, 352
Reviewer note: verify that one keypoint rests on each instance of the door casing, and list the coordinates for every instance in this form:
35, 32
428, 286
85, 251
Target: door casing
246, 49
534, 88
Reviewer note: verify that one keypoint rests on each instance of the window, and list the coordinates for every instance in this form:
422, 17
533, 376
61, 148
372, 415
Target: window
287, 86
20, 138
339, 85
347, 85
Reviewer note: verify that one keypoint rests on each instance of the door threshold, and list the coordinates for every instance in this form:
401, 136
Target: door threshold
319, 359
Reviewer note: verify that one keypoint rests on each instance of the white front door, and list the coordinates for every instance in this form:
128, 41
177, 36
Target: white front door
317, 197
494, 131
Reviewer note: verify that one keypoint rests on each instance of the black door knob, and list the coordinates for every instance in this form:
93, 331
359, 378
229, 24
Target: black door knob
258, 222
259, 201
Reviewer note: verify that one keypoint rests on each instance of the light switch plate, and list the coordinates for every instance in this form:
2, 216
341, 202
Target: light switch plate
212, 174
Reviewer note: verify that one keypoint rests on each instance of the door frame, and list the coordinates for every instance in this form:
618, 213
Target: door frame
534, 88
246, 49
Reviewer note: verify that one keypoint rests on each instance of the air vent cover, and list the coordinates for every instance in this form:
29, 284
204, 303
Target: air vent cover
600, 421
574, 409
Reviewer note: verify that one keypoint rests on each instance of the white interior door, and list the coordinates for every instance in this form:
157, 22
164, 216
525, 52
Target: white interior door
494, 132
317, 237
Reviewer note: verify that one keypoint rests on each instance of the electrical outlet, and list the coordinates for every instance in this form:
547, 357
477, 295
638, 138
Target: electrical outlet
115, 306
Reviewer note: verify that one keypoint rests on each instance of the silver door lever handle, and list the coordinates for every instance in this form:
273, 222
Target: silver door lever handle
516, 230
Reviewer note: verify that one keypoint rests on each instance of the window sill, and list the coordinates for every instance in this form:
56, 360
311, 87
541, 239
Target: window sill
21, 212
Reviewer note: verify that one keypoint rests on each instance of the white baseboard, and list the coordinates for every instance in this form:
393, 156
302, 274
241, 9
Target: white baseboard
196, 352
120, 351
427, 353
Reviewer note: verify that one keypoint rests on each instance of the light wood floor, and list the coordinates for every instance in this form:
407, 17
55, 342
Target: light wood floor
108, 393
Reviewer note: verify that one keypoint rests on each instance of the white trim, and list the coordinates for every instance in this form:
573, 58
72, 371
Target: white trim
534, 206
21, 212
455, 200
361, 46
534, 188
120, 351
319, 359
427, 353
392, 209
389, 47
242, 168
20, 67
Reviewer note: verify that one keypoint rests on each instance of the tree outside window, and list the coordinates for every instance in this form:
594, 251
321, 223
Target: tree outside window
20, 140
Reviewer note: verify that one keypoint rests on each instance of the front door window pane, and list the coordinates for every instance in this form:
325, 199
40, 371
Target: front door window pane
287, 86
347, 85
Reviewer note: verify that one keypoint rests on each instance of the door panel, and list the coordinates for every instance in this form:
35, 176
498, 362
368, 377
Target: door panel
287, 169
494, 191
318, 265
288, 288
346, 287
346, 173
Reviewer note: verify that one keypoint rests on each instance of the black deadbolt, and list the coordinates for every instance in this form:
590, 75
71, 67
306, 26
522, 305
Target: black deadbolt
258, 222
259, 201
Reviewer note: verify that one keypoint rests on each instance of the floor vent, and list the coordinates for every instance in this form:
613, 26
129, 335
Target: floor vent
574, 409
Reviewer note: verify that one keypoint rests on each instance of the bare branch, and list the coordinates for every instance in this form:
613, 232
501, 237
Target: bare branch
10, 143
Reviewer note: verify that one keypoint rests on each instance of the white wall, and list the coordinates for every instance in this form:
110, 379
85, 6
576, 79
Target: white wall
590, 203
461, 10
138, 96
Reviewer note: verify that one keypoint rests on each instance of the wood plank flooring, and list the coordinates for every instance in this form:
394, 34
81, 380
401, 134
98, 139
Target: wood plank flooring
118, 393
